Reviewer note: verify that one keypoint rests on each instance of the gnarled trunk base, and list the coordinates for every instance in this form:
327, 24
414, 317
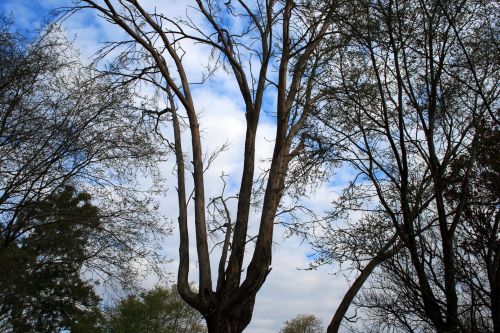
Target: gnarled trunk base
230, 319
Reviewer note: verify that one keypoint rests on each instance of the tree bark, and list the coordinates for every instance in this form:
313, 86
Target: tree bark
380, 257
229, 307
231, 318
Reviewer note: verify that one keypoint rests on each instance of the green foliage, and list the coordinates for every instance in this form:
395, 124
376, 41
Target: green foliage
92, 321
159, 310
302, 323
42, 288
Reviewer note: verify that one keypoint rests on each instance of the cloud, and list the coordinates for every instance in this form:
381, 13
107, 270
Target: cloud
289, 290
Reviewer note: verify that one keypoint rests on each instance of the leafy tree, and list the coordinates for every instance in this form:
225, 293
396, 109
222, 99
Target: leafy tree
159, 310
302, 323
91, 321
41, 283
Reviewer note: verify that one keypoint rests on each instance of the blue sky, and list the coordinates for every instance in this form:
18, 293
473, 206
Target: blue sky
288, 290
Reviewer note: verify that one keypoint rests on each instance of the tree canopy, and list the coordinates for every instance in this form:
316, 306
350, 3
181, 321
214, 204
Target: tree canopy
401, 93
62, 123
68, 135
41, 283
159, 310
302, 323
406, 104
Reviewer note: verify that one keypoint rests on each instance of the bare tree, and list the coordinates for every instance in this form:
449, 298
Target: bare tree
404, 101
284, 34
61, 124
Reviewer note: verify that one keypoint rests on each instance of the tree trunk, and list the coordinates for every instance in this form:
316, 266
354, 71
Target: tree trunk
495, 302
230, 320
381, 256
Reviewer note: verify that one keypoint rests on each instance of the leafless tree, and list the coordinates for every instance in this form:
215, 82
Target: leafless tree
62, 125
280, 35
404, 101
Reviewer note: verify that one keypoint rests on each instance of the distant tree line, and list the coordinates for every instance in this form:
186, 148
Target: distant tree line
159, 310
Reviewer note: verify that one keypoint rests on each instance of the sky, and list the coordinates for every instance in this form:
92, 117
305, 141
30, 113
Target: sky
288, 290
